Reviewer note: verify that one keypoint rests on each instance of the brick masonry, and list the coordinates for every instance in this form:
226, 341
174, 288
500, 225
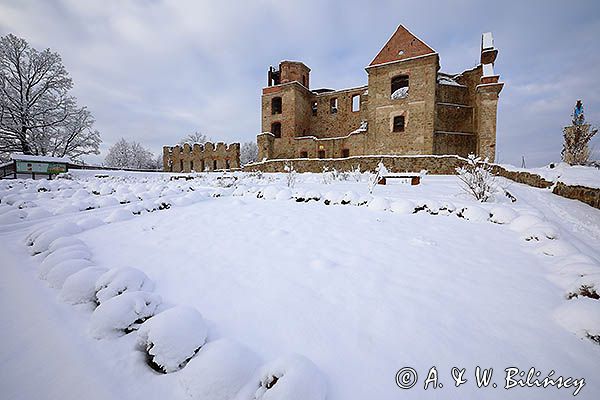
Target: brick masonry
201, 157
443, 114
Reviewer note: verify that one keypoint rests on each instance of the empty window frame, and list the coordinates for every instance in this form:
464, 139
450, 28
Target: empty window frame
276, 106
314, 108
345, 153
276, 129
398, 82
304, 154
333, 105
356, 103
214, 165
398, 124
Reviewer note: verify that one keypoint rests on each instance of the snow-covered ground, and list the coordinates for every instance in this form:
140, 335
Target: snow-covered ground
565, 173
240, 287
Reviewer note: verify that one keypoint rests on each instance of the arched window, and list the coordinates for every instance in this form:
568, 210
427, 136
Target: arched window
276, 105
276, 129
227, 165
214, 165
399, 87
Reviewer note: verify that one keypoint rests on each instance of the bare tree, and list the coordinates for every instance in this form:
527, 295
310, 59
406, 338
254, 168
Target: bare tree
577, 137
124, 154
248, 153
195, 137
37, 114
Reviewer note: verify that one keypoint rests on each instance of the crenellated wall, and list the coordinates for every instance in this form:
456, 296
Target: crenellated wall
201, 157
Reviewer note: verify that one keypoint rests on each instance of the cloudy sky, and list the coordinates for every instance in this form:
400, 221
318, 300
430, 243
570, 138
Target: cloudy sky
154, 70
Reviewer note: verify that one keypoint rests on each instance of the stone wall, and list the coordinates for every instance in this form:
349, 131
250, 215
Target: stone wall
437, 165
585, 194
201, 157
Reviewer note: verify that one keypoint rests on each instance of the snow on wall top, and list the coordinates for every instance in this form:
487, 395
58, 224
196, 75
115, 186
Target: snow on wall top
27, 157
487, 41
402, 45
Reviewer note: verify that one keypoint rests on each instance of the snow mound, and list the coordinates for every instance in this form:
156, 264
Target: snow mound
540, 232
587, 286
350, 197
120, 280
474, 213
66, 253
81, 286
332, 198
38, 213
270, 192
403, 206
12, 217
119, 215
289, 378
523, 222
379, 204
90, 223
67, 241
122, 314
56, 276
42, 242
502, 215
284, 194
432, 207
218, 371
446, 208
557, 248
107, 201
580, 316
173, 337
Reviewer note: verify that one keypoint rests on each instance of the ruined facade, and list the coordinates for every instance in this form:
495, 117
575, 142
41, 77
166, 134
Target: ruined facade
408, 107
201, 157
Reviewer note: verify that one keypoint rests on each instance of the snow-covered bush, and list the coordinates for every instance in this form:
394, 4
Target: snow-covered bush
477, 179
524, 222
402, 206
289, 378
123, 314
119, 215
42, 241
219, 370
120, 280
63, 254
81, 286
290, 176
66, 241
380, 171
284, 194
474, 213
585, 286
350, 197
580, 316
502, 215
379, 204
556, 248
327, 176
56, 276
172, 338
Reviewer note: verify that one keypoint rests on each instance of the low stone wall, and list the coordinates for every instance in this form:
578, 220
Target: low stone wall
584, 194
435, 165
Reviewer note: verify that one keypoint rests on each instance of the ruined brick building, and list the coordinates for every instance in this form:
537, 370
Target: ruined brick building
201, 157
407, 107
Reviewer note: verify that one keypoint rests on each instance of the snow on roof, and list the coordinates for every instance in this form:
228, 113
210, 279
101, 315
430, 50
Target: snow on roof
487, 41
488, 70
28, 157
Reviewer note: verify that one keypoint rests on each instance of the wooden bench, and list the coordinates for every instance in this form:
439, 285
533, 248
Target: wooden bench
415, 179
